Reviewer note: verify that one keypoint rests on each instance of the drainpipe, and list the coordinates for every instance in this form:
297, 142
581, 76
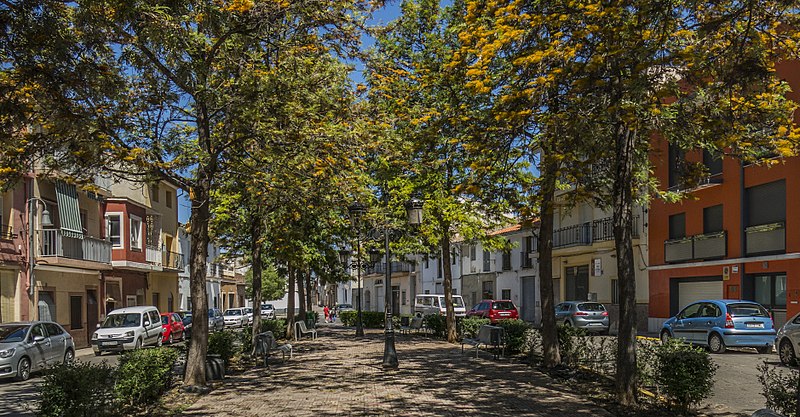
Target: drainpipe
31, 256
742, 236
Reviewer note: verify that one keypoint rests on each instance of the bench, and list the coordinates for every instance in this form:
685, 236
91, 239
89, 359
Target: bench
301, 329
416, 324
266, 343
488, 337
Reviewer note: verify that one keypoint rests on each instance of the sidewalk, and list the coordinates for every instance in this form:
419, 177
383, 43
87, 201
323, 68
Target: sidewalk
339, 375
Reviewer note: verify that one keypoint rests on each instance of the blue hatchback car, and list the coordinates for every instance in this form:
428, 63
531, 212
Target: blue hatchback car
723, 323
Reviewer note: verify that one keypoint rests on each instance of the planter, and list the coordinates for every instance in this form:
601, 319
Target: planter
215, 368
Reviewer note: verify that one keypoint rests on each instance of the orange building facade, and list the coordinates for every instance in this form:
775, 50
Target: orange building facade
736, 236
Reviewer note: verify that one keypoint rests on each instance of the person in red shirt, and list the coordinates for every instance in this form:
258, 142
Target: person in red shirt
327, 313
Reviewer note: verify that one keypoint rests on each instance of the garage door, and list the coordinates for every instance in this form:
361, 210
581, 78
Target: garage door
689, 292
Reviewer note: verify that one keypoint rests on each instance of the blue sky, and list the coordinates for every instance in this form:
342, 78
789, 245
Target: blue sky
385, 15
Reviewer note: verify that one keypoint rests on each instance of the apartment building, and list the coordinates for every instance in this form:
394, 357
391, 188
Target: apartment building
737, 236
403, 280
430, 272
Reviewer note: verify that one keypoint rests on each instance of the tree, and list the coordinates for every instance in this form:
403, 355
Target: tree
273, 286
698, 75
163, 91
428, 117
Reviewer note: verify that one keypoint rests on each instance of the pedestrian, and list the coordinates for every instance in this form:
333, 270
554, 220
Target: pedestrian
327, 313
333, 315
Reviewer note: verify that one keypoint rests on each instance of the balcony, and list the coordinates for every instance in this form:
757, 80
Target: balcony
6, 232
172, 260
587, 233
766, 238
153, 254
396, 267
698, 247
54, 244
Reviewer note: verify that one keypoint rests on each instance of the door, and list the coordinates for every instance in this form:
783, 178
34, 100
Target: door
689, 292
58, 343
684, 326
155, 326
528, 306
396, 300
91, 314
577, 283
380, 295
710, 315
562, 312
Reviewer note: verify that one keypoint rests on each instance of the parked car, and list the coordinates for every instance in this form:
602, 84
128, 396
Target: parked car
27, 347
249, 312
235, 317
719, 324
787, 341
215, 320
344, 307
172, 327
494, 310
587, 315
186, 319
128, 328
427, 304
268, 311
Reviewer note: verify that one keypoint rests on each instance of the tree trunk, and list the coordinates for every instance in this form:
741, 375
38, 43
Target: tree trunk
301, 294
452, 334
551, 353
196, 358
290, 305
255, 252
623, 223
309, 301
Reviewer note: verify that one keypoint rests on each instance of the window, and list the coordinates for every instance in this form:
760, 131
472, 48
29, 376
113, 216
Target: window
677, 226
427, 291
770, 290
130, 301
403, 297
691, 312
766, 204
712, 219
675, 165
136, 233
83, 215
156, 299
506, 294
473, 252
37, 330
525, 260
114, 229
614, 291
454, 291
53, 329
487, 261
453, 256
712, 162
75, 312
171, 303
168, 198
427, 262
506, 260
154, 191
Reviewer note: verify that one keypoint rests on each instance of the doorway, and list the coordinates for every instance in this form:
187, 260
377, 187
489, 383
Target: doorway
91, 314
577, 283
396, 300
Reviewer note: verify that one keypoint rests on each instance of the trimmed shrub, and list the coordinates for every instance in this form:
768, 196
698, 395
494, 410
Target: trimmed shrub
515, 334
471, 325
779, 389
246, 339
684, 373
571, 345
277, 327
143, 375
221, 343
77, 390
372, 319
437, 324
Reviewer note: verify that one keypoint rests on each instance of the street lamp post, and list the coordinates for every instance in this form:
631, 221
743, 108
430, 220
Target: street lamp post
356, 211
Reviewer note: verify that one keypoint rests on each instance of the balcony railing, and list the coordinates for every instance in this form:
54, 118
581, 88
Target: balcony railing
396, 267
698, 247
766, 238
172, 260
587, 233
153, 254
6, 232
525, 259
54, 244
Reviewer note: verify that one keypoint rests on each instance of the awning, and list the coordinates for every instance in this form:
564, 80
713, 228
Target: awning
68, 212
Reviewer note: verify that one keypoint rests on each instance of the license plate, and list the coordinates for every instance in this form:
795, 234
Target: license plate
505, 314
108, 343
595, 324
754, 325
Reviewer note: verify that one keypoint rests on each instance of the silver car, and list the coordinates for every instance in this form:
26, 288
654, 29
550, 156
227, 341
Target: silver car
587, 315
27, 347
787, 341
268, 311
215, 320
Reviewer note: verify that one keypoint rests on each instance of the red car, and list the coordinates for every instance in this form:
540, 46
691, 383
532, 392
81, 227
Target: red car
172, 325
494, 310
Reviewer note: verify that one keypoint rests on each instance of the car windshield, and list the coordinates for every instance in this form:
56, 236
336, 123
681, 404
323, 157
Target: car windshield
503, 305
747, 310
122, 320
591, 307
233, 312
267, 307
164, 320
13, 333
345, 306
458, 302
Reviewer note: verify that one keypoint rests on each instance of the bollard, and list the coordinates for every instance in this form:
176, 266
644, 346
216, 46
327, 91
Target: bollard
766, 413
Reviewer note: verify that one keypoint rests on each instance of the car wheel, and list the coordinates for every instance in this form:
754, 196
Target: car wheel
567, 323
665, 336
138, 344
716, 344
171, 339
160, 340
786, 353
23, 370
97, 353
69, 356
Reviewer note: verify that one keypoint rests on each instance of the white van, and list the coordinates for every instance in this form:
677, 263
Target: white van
127, 329
427, 304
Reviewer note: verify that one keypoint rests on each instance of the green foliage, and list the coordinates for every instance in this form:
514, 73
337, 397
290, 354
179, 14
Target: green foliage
143, 375
436, 323
246, 339
471, 325
221, 343
277, 327
77, 390
779, 389
685, 374
273, 285
569, 344
516, 334
312, 316
372, 319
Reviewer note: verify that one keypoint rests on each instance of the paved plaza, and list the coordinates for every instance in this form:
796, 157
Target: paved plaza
338, 375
